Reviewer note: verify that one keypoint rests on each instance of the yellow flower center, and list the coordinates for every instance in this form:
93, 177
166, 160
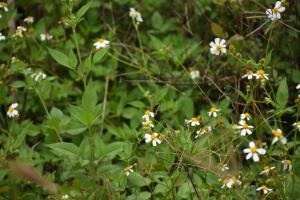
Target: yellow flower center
225, 180
213, 109
128, 168
245, 126
298, 123
253, 149
218, 47
101, 40
10, 109
288, 162
249, 72
153, 136
277, 133
4, 4
264, 187
247, 114
266, 168
194, 119
275, 10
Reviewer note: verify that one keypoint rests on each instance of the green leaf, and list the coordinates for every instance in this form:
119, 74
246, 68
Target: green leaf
186, 106
61, 58
64, 148
157, 20
89, 99
83, 10
268, 59
138, 180
217, 30
282, 94
18, 84
137, 104
73, 59
99, 55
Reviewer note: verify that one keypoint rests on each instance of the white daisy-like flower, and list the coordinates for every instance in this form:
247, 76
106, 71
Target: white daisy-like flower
249, 74
278, 136
101, 43
147, 115
224, 168
128, 169
287, 165
2, 37
298, 87
230, 182
264, 188
218, 47
194, 74
200, 132
297, 125
246, 116
135, 15
152, 137
65, 196
12, 111
261, 75
213, 111
46, 36
19, 31
253, 152
148, 124
4, 6
29, 20
275, 13
266, 170
245, 128
194, 121
38, 76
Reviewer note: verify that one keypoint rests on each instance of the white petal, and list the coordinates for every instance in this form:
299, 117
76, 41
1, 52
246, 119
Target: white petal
281, 9
255, 157
247, 150
278, 4
251, 144
217, 40
243, 133
274, 140
212, 44
249, 155
154, 143
261, 151
283, 140
224, 50
222, 42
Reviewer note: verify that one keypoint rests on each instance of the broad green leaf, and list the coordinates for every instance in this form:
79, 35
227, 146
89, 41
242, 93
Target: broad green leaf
186, 106
99, 55
18, 84
282, 94
61, 58
138, 180
83, 10
157, 20
89, 98
64, 148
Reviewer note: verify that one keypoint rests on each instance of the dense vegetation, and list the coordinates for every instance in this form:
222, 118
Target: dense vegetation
151, 99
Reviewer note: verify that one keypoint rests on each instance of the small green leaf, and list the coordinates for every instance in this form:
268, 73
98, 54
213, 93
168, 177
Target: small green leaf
18, 84
138, 180
282, 94
137, 104
60, 57
157, 20
83, 10
99, 55
217, 30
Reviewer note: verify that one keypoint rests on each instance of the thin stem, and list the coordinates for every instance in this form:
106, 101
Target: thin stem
104, 104
91, 161
42, 101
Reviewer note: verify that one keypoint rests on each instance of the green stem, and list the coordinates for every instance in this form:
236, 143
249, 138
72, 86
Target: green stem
91, 161
42, 101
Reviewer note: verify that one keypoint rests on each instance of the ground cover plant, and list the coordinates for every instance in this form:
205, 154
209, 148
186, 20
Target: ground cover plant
122, 99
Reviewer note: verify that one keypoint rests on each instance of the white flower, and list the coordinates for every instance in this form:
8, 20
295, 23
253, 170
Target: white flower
266, 170
4, 6
152, 137
200, 132
194, 74
148, 124
128, 170
147, 115
135, 15
29, 20
246, 116
287, 165
245, 128
101, 43
274, 13
278, 136
213, 112
230, 182
2, 37
45, 36
38, 76
249, 74
218, 47
19, 31
253, 152
260, 74
297, 124
12, 112
298, 87
194, 121
264, 188
224, 168
64, 197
